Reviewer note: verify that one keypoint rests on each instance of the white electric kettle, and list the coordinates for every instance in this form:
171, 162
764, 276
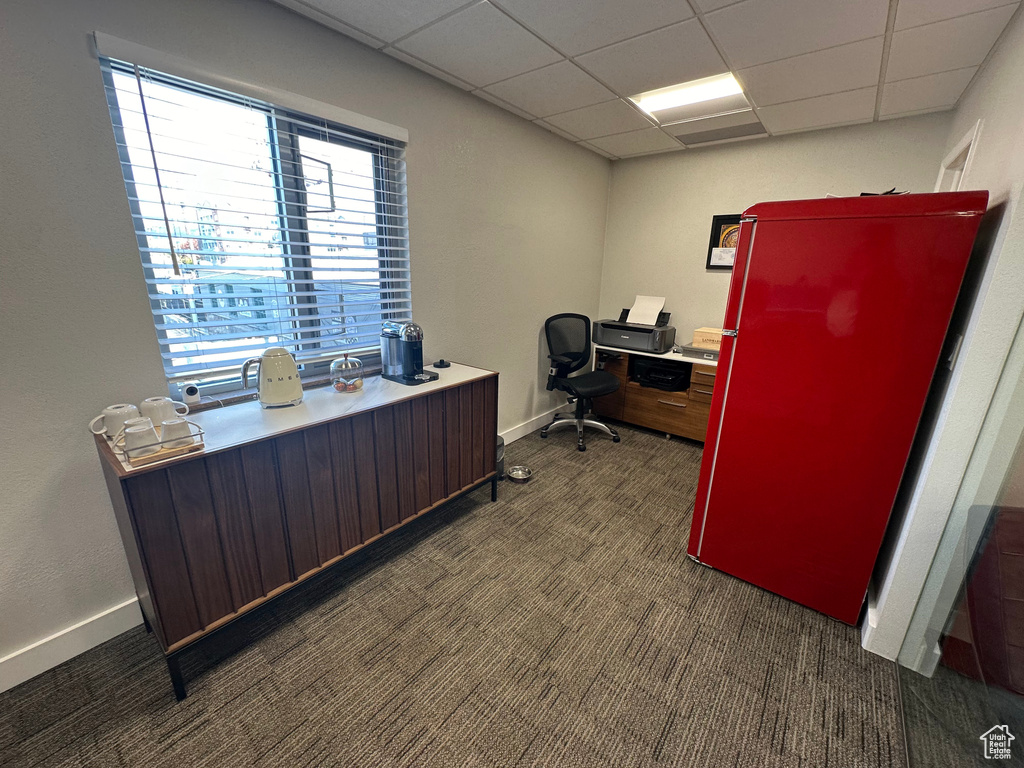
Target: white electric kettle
279, 382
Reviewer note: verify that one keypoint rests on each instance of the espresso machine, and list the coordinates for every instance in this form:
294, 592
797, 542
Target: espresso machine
401, 353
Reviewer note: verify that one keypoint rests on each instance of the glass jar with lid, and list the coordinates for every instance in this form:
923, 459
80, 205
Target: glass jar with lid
347, 374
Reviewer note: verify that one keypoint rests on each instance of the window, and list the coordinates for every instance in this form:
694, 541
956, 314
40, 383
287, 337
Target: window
257, 226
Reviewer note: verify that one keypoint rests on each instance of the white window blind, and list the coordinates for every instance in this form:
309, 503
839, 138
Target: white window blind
257, 226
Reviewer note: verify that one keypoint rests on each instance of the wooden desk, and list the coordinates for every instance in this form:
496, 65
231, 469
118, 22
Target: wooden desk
683, 413
280, 495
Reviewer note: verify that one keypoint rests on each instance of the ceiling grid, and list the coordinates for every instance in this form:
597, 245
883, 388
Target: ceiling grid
572, 67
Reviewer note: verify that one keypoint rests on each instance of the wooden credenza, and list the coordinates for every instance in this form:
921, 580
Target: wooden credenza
279, 496
682, 413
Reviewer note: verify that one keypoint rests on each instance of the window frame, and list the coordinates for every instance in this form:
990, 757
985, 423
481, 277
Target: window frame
290, 191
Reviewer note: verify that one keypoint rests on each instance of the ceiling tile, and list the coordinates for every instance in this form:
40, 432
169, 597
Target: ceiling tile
584, 25
558, 88
843, 68
928, 92
600, 120
945, 45
676, 54
423, 66
913, 13
480, 45
821, 111
308, 10
759, 31
504, 105
745, 117
636, 142
386, 19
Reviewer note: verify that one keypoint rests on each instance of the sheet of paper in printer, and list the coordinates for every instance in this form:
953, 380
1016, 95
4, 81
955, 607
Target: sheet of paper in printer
645, 310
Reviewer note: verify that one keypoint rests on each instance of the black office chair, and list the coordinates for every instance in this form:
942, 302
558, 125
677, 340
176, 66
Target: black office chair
569, 350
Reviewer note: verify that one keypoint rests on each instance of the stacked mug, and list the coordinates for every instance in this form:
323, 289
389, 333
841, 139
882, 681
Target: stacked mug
138, 425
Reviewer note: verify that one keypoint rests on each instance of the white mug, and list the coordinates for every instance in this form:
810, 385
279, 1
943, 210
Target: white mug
174, 433
140, 441
160, 409
112, 419
138, 421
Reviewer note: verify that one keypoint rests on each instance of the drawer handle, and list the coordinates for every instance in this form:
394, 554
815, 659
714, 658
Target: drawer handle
702, 391
669, 402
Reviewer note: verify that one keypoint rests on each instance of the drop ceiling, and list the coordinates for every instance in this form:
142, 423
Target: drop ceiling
570, 66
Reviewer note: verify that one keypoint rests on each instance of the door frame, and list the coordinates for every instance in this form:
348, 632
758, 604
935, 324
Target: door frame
957, 163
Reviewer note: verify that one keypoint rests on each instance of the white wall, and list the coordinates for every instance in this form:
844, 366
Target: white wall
507, 225
995, 98
659, 216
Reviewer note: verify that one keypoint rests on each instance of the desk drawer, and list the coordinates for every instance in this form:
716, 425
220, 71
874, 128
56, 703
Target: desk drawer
705, 379
671, 412
700, 393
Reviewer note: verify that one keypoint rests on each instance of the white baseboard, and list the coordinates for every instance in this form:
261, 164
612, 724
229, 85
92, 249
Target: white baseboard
46, 654
522, 430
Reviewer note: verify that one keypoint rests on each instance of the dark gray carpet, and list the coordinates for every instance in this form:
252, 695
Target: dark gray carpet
561, 626
947, 714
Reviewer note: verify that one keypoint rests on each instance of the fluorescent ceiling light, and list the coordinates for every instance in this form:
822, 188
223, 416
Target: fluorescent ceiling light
693, 92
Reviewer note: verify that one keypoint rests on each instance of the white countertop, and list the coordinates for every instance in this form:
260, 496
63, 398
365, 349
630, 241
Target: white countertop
248, 422
664, 356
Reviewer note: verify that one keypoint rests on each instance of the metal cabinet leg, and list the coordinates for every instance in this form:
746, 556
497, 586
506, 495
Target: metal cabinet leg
174, 669
494, 488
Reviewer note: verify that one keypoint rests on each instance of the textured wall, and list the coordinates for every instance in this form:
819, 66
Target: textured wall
507, 227
659, 216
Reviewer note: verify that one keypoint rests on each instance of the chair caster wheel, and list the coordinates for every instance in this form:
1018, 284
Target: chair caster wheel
543, 433
615, 439
581, 447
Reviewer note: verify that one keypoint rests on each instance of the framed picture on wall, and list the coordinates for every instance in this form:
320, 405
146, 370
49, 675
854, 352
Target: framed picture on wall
725, 232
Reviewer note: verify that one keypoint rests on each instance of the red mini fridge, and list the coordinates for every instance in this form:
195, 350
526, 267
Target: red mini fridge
838, 310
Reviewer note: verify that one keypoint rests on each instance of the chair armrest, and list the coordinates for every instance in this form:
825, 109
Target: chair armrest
560, 365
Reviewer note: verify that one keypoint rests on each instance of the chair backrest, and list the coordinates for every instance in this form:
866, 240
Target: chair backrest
568, 334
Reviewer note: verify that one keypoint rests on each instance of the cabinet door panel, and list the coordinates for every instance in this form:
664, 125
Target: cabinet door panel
345, 492
490, 423
436, 432
452, 440
259, 464
405, 467
193, 506
298, 507
320, 465
479, 424
387, 481
157, 528
227, 485
231, 505
421, 451
366, 475
467, 466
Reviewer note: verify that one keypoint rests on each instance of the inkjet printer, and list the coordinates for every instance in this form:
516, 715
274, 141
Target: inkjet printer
657, 338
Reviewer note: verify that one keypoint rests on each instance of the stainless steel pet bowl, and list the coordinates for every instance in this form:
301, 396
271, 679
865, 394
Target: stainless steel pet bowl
519, 474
